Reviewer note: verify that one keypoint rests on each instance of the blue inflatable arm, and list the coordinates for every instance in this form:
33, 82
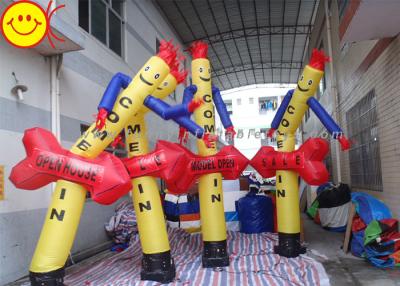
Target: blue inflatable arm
281, 110
221, 108
188, 94
166, 111
178, 113
190, 125
324, 117
118, 81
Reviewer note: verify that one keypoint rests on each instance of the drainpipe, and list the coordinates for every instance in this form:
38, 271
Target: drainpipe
55, 66
334, 91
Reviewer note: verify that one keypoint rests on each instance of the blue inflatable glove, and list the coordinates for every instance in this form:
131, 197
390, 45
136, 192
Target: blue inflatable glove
118, 81
188, 94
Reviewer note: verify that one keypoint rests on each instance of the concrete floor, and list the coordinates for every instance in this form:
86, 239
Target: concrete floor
324, 246
344, 269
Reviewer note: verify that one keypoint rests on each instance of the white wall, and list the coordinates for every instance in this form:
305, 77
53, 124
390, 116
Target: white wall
83, 78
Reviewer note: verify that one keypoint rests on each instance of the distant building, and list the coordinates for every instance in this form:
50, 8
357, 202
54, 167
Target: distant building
252, 109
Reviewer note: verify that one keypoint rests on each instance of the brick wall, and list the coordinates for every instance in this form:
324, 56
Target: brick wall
383, 75
359, 68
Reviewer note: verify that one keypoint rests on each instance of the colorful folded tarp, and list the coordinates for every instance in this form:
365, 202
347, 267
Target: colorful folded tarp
376, 235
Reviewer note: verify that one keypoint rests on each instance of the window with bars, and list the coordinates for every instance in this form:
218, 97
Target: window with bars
342, 6
264, 140
266, 104
307, 115
104, 20
329, 166
119, 151
364, 155
322, 83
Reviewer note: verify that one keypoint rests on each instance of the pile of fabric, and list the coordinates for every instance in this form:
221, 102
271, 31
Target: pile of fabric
331, 207
122, 226
376, 234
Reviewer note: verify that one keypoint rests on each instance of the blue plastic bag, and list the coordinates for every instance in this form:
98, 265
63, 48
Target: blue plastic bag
255, 213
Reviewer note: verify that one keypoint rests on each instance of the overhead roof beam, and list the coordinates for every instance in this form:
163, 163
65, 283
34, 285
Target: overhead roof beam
207, 36
258, 37
257, 32
234, 41
216, 25
307, 41
283, 36
258, 66
270, 38
294, 38
190, 29
246, 39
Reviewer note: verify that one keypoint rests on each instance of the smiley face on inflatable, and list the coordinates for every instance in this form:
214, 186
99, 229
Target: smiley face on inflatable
308, 82
205, 71
166, 87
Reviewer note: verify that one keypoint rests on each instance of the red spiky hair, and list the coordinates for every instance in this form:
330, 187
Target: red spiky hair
167, 52
179, 75
318, 59
199, 50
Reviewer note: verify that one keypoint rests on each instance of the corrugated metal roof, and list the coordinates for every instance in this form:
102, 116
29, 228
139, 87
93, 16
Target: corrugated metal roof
251, 41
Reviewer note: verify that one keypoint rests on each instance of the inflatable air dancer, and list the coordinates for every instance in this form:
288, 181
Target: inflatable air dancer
213, 226
286, 121
157, 264
63, 215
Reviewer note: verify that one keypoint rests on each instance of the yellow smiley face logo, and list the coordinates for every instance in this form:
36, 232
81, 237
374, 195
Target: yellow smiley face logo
24, 24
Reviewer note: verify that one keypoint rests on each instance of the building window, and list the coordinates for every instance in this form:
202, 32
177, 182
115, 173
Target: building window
342, 6
119, 151
307, 115
364, 155
251, 100
266, 104
322, 84
328, 164
104, 20
239, 101
321, 87
158, 43
228, 104
265, 141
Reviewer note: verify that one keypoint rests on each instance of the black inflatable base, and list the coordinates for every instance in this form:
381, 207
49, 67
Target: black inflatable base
215, 254
52, 278
159, 267
289, 245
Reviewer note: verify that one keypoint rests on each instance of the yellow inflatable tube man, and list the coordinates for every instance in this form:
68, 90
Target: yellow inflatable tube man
287, 120
63, 216
213, 226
